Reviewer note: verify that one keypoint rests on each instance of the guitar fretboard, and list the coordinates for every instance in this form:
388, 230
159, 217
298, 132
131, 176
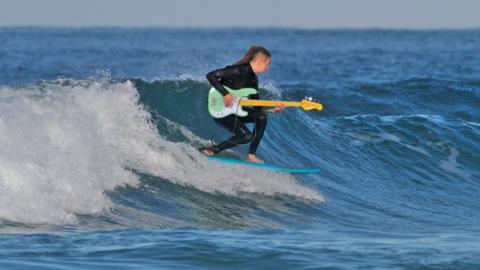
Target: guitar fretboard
268, 103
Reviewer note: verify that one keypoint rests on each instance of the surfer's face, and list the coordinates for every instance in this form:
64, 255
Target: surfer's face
265, 64
261, 63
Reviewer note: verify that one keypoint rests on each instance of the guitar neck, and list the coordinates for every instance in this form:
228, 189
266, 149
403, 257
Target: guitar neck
268, 103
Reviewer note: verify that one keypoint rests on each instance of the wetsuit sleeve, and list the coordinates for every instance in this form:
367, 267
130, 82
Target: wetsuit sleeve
217, 77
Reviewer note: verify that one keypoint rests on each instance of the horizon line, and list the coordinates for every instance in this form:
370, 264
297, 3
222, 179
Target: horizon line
266, 27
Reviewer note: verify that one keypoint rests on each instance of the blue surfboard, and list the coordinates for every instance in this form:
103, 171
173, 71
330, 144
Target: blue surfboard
264, 166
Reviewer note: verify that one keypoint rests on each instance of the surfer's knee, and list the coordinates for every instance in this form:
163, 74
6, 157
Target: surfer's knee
247, 138
245, 135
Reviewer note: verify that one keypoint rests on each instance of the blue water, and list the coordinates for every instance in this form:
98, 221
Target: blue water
98, 167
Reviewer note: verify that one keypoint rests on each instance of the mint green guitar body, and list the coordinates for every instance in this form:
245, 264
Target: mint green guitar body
217, 108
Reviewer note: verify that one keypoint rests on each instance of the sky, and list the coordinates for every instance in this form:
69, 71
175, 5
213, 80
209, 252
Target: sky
404, 14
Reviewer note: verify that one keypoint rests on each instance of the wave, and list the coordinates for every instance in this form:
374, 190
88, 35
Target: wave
67, 144
102, 153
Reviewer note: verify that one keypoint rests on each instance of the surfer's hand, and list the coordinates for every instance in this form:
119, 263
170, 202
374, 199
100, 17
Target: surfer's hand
279, 108
228, 100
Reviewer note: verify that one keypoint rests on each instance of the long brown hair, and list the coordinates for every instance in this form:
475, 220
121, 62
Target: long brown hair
250, 54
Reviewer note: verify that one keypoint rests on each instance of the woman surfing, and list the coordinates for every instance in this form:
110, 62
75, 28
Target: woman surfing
242, 74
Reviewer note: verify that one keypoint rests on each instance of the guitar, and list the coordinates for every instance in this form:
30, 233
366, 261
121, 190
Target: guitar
217, 108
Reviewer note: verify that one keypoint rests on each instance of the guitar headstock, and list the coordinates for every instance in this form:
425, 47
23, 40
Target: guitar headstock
308, 103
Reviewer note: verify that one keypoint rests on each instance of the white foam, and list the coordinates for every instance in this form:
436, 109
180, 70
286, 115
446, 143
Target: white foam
178, 78
64, 143
271, 87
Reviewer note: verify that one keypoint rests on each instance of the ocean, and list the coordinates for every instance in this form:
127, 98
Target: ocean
99, 168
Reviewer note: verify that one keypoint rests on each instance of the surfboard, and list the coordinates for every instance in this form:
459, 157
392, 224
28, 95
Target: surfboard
277, 168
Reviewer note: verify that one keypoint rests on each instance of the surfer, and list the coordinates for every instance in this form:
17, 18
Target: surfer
242, 74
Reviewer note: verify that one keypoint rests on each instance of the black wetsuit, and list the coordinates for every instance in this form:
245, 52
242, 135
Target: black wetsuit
236, 77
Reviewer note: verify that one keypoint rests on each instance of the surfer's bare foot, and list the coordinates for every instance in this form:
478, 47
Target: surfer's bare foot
207, 152
253, 158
